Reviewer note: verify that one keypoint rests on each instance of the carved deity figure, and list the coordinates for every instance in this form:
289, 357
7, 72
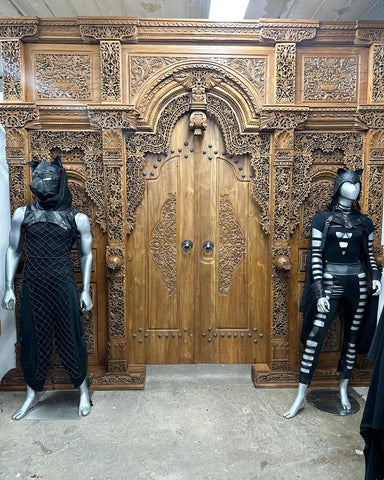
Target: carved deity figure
341, 264
50, 308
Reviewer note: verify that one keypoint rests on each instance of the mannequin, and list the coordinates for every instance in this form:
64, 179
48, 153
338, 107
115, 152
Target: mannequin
49, 308
341, 252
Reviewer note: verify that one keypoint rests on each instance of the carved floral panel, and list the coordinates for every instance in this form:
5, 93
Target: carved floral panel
143, 68
163, 244
232, 245
11, 65
378, 74
64, 76
285, 72
110, 71
330, 79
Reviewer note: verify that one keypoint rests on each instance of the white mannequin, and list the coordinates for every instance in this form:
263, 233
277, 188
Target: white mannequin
348, 193
9, 300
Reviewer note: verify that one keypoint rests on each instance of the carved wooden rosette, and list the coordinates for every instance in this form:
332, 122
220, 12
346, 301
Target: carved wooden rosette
11, 60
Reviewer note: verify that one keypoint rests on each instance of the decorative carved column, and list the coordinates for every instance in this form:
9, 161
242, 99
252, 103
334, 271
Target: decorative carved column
110, 66
16, 142
373, 116
282, 181
113, 121
11, 52
12, 30
113, 171
285, 72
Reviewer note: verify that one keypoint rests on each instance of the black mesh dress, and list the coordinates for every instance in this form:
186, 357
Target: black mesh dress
49, 308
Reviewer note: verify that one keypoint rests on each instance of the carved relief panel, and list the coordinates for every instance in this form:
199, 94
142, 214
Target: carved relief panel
331, 76
142, 70
54, 75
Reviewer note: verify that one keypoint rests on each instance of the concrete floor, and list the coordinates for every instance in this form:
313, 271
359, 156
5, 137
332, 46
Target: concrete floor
195, 422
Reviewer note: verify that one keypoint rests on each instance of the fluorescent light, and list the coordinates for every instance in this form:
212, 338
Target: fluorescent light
228, 10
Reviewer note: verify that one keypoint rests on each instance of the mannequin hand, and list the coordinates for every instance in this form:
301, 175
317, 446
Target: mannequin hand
323, 305
85, 301
376, 285
9, 299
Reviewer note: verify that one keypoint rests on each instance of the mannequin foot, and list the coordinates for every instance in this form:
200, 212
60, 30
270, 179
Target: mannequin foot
296, 406
344, 400
299, 402
31, 400
85, 400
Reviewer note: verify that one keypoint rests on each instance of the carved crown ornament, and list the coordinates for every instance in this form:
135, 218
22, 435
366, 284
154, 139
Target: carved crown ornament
282, 118
17, 27
120, 117
371, 116
286, 31
371, 32
17, 116
108, 28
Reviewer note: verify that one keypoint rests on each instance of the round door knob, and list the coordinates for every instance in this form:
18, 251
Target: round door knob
187, 245
208, 247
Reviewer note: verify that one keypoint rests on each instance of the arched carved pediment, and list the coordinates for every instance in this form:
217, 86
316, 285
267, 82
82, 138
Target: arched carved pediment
198, 78
316, 153
227, 114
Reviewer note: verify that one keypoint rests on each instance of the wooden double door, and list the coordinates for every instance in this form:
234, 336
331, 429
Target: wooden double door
197, 276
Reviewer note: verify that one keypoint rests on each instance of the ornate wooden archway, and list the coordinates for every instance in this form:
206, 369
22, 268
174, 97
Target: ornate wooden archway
118, 90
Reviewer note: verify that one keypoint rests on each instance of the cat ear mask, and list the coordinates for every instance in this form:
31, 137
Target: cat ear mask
57, 162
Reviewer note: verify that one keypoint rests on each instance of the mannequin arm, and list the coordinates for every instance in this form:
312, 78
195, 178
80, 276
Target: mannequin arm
372, 266
84, 230
12, 258
317, 271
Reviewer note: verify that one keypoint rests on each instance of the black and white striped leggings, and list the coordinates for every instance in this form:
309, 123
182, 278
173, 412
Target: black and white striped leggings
354, 289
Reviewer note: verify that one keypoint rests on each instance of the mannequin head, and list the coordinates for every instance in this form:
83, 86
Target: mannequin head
49, 185
45, 180
347, 188
350, 191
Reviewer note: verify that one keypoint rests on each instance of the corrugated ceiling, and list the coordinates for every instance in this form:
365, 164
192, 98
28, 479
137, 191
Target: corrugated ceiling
324, 10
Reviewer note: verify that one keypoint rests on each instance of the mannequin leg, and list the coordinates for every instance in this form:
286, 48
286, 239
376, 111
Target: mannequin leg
298, 403
31, 400
344, 400
85, 400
